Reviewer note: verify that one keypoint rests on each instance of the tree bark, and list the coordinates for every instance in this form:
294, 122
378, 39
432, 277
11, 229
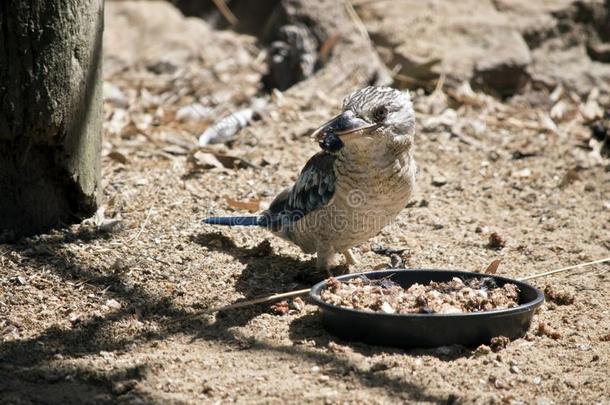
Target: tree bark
50, 113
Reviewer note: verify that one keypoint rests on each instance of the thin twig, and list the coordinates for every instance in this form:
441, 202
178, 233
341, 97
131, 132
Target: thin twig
259, 300
406, 78
226, 11
576, 266
141, 227
353, 14
161, 261
81, 282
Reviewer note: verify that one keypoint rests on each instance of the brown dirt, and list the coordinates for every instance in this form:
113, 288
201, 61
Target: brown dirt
95, 316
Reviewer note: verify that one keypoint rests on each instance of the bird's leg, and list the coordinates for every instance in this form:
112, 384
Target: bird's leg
350, 259
327, 259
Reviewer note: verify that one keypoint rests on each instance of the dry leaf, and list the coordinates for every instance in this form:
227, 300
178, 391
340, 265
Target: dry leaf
493, 267
559, 110
232, 162
591, 111
569, 177
547, 123
175, 150
202, 160
251, 206
118, 157
183, 140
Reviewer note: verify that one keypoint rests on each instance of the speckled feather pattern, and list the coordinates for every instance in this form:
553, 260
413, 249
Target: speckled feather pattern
364, 201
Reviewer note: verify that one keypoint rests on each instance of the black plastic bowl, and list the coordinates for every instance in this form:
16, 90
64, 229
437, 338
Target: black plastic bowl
428, 330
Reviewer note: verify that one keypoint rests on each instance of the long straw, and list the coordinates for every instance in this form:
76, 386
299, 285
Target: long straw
260, 300
576, 266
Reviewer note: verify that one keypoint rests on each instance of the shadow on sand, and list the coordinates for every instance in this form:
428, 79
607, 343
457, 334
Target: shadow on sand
31, 369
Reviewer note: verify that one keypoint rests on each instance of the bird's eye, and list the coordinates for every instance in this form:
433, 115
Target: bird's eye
380, 113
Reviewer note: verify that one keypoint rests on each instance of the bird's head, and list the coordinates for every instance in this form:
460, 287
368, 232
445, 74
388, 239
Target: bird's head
371, 116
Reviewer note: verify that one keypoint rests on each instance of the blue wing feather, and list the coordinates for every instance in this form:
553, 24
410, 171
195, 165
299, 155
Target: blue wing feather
313, 189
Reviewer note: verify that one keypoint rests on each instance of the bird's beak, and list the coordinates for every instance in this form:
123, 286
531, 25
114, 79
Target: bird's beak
345, 125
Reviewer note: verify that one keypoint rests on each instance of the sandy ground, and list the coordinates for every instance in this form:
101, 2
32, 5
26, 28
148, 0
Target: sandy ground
94, 316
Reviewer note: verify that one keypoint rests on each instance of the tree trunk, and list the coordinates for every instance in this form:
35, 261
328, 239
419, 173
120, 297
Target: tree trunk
50, 113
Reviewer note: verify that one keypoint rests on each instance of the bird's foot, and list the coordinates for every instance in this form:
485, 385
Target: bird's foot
328, 261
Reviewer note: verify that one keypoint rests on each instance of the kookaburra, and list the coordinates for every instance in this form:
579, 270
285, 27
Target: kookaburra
356, 185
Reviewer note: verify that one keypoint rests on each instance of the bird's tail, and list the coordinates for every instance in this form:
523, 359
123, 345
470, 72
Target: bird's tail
234, 221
